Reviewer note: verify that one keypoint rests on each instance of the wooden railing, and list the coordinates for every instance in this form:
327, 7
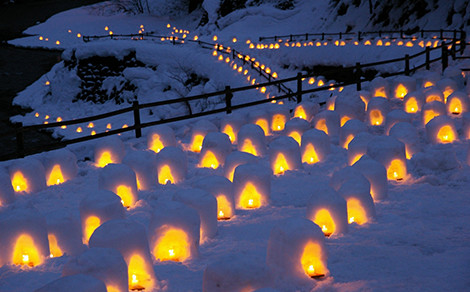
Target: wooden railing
227, 93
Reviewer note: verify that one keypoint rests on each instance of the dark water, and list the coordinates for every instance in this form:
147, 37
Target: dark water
21, 67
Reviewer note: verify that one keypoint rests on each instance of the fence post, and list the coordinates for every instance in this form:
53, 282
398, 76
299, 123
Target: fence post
228, 99
463, 41
359, 36
138, 130
401, 34
407, 65
275, 38
299, 87
290, 38
422, 34
441, 34
322, 36
380, 33
444, 57
452, 51
306, 36
340, 35
358, 76
428, 57
19, 140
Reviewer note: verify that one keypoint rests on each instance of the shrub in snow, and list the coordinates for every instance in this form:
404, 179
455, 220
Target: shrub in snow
379, 87
457, 103
284, 154
97, 208
174, 232
172, 165
144, 165
413, 102
23, 236
64, 234
206, 206
200, 129
433, 94
105, 264
395, 116
391, 153
279, 115
7, 194
358, 146
306, 110
252, 186
355, 189
296, 127
231, 124
236, 272
296, 252
327, 209
109, 150
121, 180
222, 189
27, 175
402, 85
349, 106
60, 166
350, 129
408, 135
376, 174
328, 122
130, 239
251, 139
447, 87
160, 137
433, 109
260, 118
377, 109
215, 148
315, 146
235, 159
441, 129
75, 283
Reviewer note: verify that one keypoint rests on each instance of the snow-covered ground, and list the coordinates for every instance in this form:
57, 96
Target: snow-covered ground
419, 239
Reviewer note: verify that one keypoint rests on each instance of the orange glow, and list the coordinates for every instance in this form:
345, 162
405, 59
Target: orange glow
411, 105
55, 176
104, 159
278, 122
447, 91
165, 175
248, 147
19, 182
311, 80
214, 38
172, 246
446, 134
380, 92
91, 223
396, 170
409, 44
126, 195
79, 130
311, 260
324, 220
376, 117
310, 155
344, 119
320, 83
156, 144
56, 251
263, 123
25, 252
228, 130
379, 43
196, 144
250, 197
331, 106
280, 164
356, 158
356, 212
347, 141
139, 278
296, 136
429, 115
224, 209
455, 106
321, 125
401, 91
433, 97
367, 43
300, 113
400, 43
209, 160
428, 84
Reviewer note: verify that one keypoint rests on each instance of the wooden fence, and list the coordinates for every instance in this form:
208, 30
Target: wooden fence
227, 94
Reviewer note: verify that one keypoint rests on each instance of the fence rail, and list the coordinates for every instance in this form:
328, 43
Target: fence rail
227, 94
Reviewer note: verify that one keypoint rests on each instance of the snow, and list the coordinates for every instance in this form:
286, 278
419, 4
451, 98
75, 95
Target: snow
254, 135
417, 240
